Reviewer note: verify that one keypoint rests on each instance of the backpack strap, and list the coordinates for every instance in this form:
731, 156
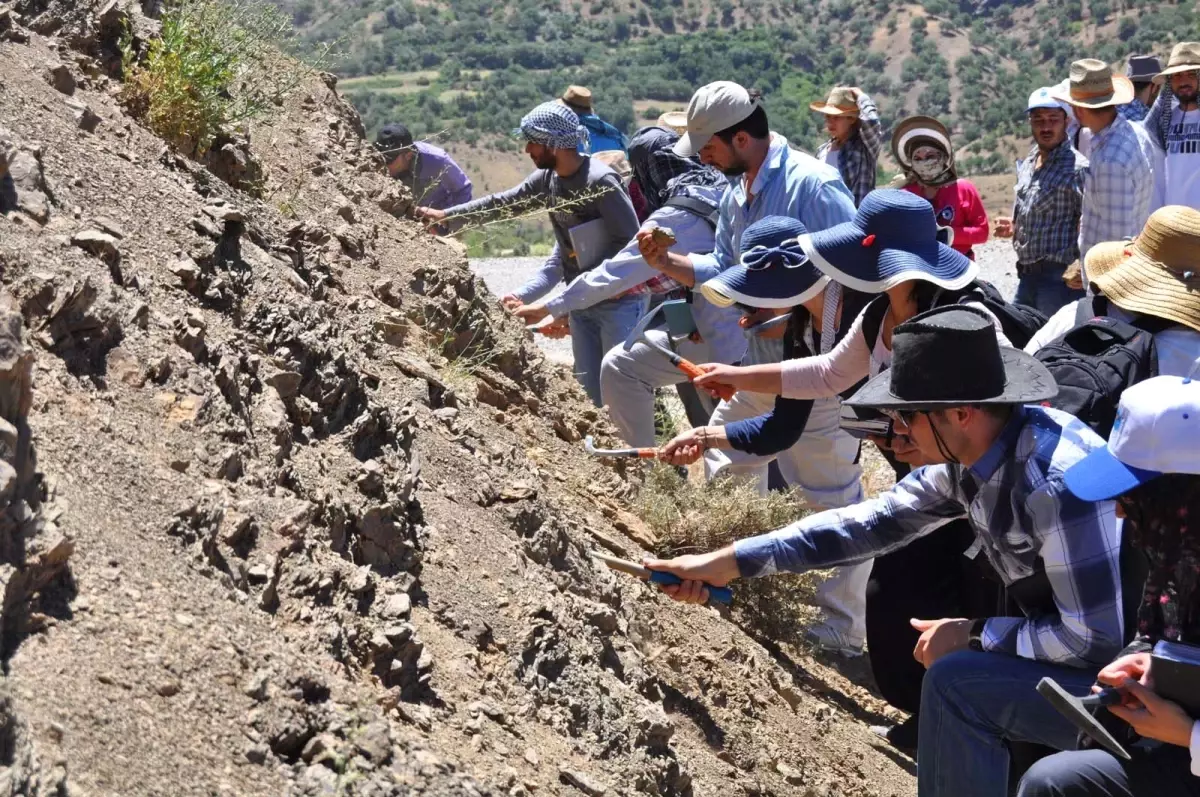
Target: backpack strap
1090, 307
697, 207
873, 315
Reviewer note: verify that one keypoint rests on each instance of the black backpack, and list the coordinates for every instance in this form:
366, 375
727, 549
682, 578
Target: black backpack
1018, 322
1097, 360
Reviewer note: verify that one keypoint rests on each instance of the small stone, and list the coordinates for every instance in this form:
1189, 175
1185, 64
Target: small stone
286, 383
586, 784
258, 573
59, 76
397, 635
446, 414
184, 620
257, 753
169, 688
258, 686
532, 757
397, 607
318, 746
98, 243
87, 120
790, 773
517, 491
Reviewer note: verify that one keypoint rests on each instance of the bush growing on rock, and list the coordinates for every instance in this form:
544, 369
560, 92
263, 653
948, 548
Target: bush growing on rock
217, 64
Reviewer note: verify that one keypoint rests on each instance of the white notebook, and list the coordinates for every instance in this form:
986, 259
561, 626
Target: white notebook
588, 242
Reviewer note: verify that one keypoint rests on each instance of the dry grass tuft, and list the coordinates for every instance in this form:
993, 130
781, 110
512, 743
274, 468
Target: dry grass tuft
693, 518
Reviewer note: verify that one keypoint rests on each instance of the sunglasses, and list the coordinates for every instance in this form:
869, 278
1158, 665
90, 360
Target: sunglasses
903, 418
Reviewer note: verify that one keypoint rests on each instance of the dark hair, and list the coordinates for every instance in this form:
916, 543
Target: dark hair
1169, 500
755, 125
1138, 85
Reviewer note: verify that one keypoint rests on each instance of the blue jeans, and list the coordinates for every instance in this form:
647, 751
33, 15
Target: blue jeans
1046, 292
595, 330
971, 704
1162, 772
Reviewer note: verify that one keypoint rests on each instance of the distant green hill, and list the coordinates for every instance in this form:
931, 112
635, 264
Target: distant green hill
465, 70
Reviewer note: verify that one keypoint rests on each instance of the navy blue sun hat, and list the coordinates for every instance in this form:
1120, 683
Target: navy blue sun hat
892, 239
774, 271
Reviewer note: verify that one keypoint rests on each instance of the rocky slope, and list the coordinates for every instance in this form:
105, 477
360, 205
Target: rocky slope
287, 506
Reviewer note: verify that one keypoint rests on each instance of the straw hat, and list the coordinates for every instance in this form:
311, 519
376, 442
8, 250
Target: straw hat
841, 102
674, 120
1158, 273
1184, 58
578, 95
616, 160
1092, 84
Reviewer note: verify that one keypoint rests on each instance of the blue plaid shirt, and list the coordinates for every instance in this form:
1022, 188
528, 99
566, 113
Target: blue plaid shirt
858, 156
1118, 184
1134, 110
1049, 201
1023, 516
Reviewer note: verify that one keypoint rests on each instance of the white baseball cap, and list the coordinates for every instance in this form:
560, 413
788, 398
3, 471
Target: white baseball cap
713, 108
1042, 98
1157, 431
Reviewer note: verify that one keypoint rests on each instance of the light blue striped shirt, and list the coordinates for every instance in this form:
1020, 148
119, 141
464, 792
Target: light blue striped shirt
790, 183
718, 326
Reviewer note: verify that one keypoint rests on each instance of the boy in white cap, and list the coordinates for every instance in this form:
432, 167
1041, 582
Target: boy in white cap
1151, 466
1045, 221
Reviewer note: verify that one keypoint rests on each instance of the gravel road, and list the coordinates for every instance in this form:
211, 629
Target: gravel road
504, 275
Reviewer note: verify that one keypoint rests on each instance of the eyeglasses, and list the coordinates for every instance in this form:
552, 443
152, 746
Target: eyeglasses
903, 418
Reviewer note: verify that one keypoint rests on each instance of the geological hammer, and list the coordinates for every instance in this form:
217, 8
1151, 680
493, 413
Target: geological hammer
689, 368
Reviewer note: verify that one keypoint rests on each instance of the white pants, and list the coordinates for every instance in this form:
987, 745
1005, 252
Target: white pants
824, 465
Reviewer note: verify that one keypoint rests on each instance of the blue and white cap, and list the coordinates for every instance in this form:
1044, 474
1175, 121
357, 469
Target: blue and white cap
1042, 98
1157, 431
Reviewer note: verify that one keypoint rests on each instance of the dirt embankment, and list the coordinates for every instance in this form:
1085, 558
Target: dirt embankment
293, 508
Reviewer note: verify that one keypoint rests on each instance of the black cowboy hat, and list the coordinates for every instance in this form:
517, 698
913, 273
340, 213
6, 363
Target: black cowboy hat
949, 357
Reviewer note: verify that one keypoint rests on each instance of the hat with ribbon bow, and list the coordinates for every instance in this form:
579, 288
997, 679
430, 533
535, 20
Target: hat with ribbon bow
893, 239
774, 272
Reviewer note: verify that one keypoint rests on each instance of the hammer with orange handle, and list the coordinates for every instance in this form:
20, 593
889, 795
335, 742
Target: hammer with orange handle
688, 367
641, 453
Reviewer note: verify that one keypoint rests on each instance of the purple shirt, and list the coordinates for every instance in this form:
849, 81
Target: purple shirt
440, 182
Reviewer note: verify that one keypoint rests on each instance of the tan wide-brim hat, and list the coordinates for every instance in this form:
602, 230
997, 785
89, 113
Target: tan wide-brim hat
674, 120
1185, 57
1092, 84
616, 160
841, 102
1157, 273
578, 95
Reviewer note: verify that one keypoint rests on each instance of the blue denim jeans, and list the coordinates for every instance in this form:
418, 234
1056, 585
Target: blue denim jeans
971, 705
1162, 772
595, 330
1046, 292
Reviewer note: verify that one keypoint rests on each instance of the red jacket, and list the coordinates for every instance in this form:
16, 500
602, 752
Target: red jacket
958, 205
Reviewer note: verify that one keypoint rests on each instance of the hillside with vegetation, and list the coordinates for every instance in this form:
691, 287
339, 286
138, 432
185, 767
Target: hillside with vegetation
465, 70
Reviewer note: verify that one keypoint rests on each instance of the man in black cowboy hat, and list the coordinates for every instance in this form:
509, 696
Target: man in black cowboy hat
962, 401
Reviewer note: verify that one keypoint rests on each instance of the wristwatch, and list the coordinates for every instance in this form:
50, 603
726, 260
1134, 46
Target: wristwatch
975, 635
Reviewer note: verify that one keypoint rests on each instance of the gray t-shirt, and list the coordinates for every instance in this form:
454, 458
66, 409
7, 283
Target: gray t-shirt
593, 192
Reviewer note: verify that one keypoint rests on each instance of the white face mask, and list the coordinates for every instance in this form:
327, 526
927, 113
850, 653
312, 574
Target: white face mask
930, 168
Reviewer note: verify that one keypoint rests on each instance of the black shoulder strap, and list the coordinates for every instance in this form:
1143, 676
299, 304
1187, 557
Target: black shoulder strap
873, 315
1090, 307
696, 207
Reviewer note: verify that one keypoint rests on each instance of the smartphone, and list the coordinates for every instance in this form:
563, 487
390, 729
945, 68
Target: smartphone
678, 313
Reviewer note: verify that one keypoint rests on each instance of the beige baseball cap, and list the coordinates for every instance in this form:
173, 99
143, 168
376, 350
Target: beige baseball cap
714, 107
